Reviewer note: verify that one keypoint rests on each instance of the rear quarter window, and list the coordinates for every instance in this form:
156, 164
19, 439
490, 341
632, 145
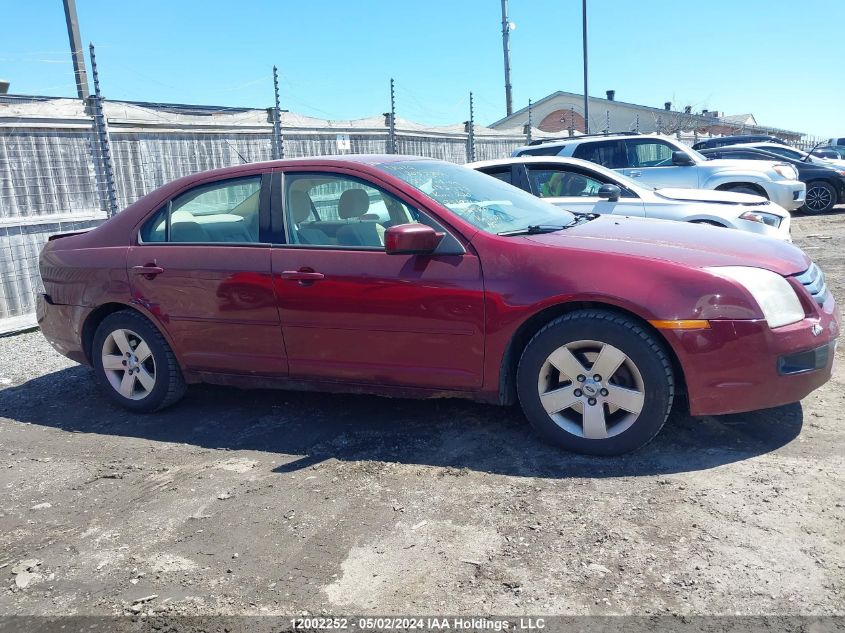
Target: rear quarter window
553, 150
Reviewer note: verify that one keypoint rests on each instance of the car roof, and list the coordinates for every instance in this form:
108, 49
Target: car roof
747, 147
511, 160
341, 160
766, 144
586, 138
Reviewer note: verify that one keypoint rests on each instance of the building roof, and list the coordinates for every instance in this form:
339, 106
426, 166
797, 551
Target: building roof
705, 119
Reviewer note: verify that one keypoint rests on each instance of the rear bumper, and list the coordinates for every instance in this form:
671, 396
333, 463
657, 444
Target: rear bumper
61, 325
738, 366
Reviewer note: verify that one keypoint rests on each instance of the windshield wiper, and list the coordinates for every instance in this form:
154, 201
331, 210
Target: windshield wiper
535, 229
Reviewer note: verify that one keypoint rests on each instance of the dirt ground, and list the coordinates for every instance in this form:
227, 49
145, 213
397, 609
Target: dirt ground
271, 502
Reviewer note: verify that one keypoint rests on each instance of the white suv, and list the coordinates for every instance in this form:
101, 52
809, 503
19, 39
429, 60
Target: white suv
662, 161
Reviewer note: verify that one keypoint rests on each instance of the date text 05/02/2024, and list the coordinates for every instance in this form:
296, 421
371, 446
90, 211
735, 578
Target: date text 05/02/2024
418, 623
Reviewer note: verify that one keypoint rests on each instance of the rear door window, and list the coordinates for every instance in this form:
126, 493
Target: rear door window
610, 154
219, 212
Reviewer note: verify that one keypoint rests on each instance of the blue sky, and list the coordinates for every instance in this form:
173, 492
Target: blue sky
768, 57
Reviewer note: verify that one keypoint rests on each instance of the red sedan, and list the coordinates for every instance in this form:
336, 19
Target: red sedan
414, 277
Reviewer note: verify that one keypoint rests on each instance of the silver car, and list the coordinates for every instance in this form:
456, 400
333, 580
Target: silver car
585, 187
662, 161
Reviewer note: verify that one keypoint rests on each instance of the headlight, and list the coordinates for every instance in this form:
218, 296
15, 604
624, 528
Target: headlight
769, 219
787, 171
774, 295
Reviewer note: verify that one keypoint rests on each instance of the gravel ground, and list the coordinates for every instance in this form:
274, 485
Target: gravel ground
266, 502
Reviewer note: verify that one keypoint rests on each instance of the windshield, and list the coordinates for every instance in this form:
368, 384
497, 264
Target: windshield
483, 201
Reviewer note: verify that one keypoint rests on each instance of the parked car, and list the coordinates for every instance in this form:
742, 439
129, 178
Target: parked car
839, 149
584, 187
825, 152
784, 151
837, 141
473, 289
825, 185
721, 141
662, 161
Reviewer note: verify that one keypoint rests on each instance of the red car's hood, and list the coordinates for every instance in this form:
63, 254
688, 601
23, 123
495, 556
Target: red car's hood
681, 242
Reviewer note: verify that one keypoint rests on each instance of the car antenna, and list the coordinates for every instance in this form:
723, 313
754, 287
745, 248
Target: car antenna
810, 153
235, 149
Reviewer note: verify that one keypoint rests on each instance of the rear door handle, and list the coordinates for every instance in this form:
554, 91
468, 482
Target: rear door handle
635, 174
301, 275
148, 270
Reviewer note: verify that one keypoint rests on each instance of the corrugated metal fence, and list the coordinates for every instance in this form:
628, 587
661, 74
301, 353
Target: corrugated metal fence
52, 175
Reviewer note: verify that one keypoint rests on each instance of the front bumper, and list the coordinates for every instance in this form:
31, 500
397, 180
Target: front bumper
789, 194
737, 366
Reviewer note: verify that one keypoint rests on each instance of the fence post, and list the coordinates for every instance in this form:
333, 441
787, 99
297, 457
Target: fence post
471, 132
278, 141
529, 125
391, 130
102, 134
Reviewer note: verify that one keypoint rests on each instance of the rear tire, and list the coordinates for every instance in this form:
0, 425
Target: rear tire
820, 197
134, 363
571, 404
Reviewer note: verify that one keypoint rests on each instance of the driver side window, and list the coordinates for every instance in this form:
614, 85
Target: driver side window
562, 183
649, 153
340, 211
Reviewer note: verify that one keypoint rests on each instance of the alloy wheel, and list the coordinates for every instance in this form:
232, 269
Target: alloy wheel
591, 389
818, 198
128, 364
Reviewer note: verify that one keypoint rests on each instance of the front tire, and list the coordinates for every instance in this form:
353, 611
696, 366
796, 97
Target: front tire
748, 189
820, 197
596, 382
134, 363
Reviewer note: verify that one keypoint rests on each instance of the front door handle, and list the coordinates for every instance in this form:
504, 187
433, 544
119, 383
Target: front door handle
301, 275
148, 270
635, 174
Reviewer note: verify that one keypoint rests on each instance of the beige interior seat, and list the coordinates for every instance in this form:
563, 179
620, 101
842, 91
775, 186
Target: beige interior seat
353, 206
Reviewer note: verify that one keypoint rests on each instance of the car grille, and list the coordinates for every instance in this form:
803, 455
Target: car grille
813, 280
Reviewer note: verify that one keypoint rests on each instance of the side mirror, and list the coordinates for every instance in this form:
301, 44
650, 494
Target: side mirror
610, 193
682, 159
411, 239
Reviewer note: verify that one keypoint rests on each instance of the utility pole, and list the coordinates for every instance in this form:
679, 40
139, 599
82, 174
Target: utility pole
506, 46
76, 52
586, 88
